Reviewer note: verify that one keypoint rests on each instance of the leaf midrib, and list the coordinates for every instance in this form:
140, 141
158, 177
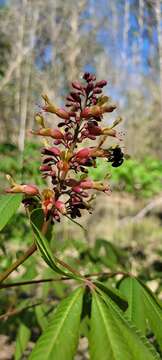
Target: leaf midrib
102, 315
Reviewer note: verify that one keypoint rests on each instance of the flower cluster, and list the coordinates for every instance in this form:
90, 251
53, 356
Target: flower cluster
65, 162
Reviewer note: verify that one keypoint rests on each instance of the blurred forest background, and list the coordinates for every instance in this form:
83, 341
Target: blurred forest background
44, 45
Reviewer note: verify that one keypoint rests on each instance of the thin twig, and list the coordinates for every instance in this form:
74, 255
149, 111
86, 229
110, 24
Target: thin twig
17, 311
63, 278
32, 282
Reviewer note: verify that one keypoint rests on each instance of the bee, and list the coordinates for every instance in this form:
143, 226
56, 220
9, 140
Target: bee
116, 156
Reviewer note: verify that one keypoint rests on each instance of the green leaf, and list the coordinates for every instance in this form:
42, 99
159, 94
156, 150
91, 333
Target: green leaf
37, 217
114, 294
60, 339
46, 252
22, 339
113, 336
136, 307
8, 207
143, 307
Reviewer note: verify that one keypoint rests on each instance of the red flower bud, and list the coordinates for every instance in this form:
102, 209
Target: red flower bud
53, 133
77, 189
52, 108
60, 206
86, 184
91, 111
31, 190
63, 114
83, 153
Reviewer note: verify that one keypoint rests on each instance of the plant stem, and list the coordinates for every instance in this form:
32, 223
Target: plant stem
18, 262
68, 267
32, 282
63, 278
22, 258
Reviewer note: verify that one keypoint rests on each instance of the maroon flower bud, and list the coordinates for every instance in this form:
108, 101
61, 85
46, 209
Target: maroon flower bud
45, 168
101, 83
92, 77
58, 142
75, 96
97, 90
94, 130
47, 160
86, 76
90, 86
51, 151
76, 85
70, 98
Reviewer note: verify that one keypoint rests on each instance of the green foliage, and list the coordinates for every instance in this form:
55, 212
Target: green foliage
22, 339
11, 163
143, 310
112, 336
142, 178
59, 341
8, 207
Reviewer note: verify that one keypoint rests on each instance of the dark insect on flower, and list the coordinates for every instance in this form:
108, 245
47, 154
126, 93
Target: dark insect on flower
116, 156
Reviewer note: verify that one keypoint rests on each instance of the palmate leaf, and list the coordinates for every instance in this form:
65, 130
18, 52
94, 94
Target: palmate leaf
112, 335
143, 307
8, 207
60, 339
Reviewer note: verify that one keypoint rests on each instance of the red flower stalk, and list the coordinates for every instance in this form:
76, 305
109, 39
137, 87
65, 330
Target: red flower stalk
64, 158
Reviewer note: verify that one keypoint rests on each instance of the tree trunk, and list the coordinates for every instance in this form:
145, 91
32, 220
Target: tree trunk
159, 32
